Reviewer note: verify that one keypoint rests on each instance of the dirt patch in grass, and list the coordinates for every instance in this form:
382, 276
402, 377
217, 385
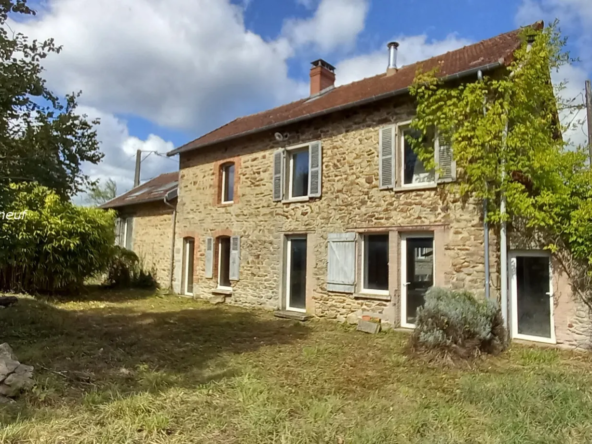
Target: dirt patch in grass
138, 368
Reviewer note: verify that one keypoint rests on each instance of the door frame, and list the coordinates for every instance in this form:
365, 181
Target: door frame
403, 251
186, 243
287, 270
512, 255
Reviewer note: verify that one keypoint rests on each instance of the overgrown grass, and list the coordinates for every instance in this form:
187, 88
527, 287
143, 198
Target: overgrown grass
131, 367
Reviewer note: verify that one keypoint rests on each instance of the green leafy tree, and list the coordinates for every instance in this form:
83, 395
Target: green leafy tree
507, 141
42, 137
99, 194
54, 244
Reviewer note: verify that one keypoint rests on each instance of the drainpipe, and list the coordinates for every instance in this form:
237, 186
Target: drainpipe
504, 228
172, 240
485, 223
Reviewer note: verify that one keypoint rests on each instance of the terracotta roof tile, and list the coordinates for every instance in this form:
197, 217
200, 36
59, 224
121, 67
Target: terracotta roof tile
151, 191
492, 51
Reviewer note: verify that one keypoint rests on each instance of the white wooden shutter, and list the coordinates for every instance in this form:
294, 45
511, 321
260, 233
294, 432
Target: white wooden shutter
386, 157
315, 173
446, 165
129, 233
209, 257
278, 175
234, 258
341, 262
118, 231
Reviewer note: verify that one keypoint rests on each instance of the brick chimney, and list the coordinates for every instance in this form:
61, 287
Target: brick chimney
322, 76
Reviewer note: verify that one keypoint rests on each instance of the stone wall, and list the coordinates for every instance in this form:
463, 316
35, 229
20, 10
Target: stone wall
152, 236
351, 201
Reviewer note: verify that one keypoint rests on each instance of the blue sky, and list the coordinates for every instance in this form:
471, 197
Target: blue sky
162, 72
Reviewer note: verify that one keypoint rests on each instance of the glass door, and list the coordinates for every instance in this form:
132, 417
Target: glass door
189, 246
296, 274
532, 298
417, 274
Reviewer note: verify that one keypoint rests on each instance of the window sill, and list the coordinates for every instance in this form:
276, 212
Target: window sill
222, 290
417, 187
226, 203
296, 199
375, 296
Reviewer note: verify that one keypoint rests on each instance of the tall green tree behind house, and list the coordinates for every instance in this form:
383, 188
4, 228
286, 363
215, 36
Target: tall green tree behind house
42, 137
99, 194
506, 136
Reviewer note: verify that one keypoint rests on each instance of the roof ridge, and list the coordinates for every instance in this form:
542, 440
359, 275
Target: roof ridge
487, 52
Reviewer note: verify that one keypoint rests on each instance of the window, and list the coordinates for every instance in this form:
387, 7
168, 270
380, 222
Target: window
224, 262
227, 189
188, 254
414, 173
297, 172
375, 258
124, 232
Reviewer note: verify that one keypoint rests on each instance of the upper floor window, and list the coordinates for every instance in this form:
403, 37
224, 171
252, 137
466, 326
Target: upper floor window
227, 189
413, 170
297, 172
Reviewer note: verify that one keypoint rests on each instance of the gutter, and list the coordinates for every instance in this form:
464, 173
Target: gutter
171, 195
390, 94
126, 204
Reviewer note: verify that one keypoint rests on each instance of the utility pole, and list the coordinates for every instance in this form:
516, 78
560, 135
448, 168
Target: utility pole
589, 109
138, 163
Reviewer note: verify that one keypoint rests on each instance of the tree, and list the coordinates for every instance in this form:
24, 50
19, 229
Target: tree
98, 194
42, 138
507, 141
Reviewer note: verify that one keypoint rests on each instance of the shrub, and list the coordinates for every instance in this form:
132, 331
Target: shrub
125, 270
456, 324
55, 246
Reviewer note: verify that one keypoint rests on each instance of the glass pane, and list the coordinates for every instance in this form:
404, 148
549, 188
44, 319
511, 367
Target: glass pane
414, 171
376, 262
224, 264
420, 273
229, 183
300, 173
189, 244
534, 305
297, 273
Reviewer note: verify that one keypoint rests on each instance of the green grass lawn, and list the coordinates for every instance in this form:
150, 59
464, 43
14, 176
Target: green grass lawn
130, 367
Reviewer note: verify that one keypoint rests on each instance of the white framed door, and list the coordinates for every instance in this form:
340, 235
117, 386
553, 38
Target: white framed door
531, 288
295, 273
188, 254
418, 268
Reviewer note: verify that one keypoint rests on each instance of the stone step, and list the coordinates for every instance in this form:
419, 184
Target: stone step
296, 315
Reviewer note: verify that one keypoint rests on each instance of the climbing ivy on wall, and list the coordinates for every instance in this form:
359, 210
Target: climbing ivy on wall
506, 133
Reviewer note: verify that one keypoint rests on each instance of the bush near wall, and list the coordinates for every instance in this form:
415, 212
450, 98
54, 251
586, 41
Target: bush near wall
456, 324
55, 245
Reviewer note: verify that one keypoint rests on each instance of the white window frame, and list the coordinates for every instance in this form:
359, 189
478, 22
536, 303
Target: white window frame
513, 255
363, 264
220, 286
224, 167
288, 171
403, 254
400, 148
288, 271
186, 243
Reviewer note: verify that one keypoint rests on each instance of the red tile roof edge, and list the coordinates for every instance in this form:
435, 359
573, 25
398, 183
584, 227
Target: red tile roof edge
509, 43
146, 196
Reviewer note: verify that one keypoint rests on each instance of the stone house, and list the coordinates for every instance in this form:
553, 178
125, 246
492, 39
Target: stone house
145, 223
321, 208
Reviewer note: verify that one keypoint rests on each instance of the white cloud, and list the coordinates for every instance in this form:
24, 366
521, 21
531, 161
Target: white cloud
335, 25
412, 49
181, 64
120, 150
574, 77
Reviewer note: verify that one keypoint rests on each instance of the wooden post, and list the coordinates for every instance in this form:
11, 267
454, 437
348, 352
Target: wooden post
138, 163
589, 112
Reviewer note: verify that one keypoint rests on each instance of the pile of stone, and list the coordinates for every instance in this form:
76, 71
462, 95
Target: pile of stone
14, 376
